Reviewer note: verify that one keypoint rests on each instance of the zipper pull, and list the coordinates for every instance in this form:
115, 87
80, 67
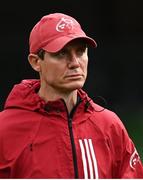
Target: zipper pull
70, 123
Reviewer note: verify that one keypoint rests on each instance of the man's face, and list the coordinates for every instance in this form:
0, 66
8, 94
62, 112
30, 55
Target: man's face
65, 70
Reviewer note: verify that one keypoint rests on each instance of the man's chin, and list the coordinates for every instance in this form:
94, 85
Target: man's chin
74, 86
69, 87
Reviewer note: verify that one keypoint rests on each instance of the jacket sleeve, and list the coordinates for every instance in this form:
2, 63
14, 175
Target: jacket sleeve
131, 165
128, 163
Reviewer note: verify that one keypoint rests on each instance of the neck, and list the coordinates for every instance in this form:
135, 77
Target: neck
50, 94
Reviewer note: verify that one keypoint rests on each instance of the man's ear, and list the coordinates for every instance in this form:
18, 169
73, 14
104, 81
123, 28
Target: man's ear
34, 61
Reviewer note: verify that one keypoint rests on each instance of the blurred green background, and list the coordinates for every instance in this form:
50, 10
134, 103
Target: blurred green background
134, 124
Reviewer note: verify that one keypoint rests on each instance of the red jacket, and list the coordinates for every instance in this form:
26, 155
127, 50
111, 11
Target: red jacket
40, 140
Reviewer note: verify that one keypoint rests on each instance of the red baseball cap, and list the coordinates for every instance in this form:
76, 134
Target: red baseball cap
54, 31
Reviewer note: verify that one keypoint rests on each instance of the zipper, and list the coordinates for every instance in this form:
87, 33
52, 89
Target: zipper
72, 137
73, 147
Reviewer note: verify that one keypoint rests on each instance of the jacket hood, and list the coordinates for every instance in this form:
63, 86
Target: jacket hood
24, 96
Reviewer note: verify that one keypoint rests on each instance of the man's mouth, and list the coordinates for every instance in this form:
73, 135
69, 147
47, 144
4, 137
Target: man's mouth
74, 75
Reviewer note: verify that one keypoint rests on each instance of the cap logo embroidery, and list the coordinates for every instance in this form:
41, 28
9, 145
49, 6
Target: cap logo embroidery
134, 159
64, 25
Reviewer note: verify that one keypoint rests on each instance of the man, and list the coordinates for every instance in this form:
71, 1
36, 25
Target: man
50, 128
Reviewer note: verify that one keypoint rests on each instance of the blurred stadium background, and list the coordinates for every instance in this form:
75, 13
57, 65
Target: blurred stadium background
115, 67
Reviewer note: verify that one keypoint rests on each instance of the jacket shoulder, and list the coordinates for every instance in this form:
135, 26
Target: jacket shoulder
106, 118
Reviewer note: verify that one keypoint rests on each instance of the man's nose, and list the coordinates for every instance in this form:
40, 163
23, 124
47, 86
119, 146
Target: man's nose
73, 61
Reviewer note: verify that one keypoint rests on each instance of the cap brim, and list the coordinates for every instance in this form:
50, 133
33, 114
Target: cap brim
57, 44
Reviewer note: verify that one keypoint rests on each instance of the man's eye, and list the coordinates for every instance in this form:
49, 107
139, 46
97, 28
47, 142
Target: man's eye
81, 51
59, 54
62, 53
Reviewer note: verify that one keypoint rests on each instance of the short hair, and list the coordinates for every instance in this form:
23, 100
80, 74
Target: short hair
41, 53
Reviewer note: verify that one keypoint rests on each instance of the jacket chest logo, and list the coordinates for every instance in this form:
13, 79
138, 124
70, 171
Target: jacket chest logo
88, 159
